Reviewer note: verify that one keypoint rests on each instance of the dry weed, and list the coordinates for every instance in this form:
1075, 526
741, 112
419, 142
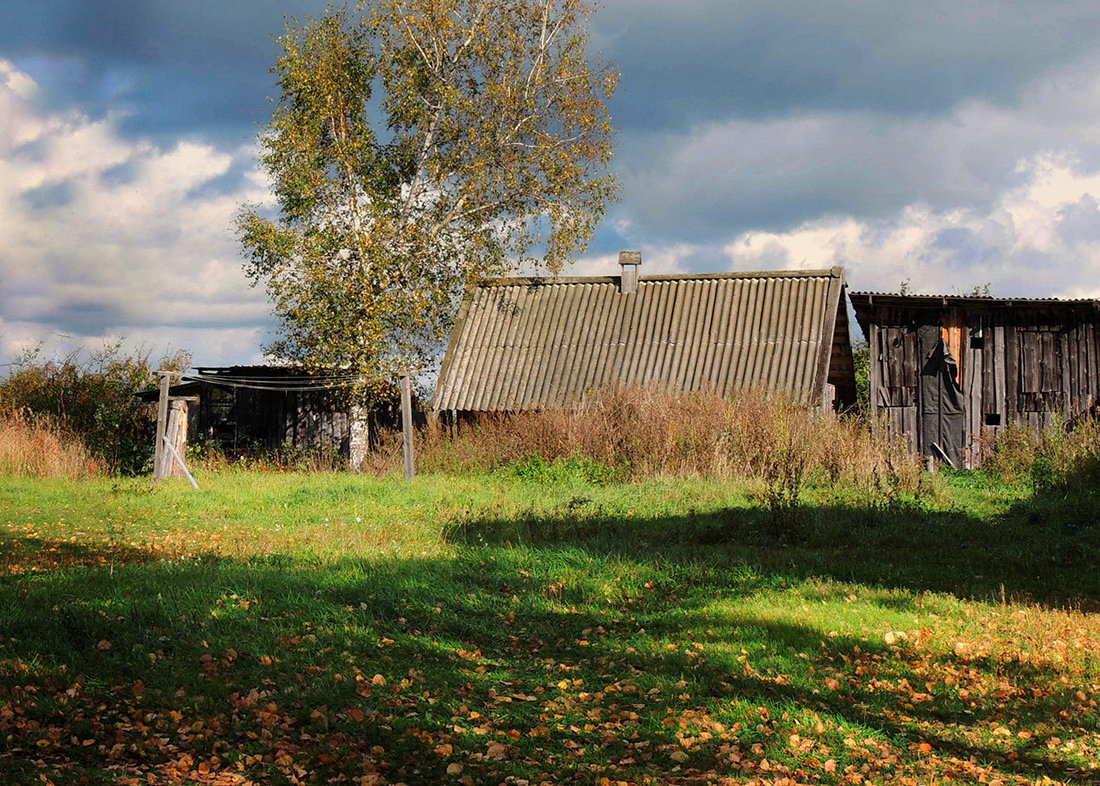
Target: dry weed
35, 448
650, 433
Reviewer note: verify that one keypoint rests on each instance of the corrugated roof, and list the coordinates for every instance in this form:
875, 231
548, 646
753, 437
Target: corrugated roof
925, 299
534, 343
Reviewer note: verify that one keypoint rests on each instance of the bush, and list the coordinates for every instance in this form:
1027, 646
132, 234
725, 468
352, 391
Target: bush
91, 397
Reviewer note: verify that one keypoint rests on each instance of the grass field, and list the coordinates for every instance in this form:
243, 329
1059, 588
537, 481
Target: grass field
330, 628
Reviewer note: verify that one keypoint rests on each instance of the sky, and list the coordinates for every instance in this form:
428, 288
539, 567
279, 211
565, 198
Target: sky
939, 146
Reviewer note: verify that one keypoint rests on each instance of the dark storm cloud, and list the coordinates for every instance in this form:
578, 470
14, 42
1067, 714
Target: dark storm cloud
80, 317
204, 65
728, 177
92, 310
698, 60
173, 66
965, 247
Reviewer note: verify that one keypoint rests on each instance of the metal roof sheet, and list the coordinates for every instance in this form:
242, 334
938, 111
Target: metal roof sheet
924, 299
536, 343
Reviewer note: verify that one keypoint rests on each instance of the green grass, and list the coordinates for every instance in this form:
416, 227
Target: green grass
535, 626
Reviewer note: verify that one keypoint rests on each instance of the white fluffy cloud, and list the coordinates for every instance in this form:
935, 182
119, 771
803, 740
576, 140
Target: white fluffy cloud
1039, 239
105, 236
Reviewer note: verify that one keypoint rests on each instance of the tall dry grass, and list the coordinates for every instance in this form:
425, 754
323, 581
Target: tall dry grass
642, 432
1061, 452
35, 448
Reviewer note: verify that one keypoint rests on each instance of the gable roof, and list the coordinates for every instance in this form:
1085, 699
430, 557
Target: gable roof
531, 343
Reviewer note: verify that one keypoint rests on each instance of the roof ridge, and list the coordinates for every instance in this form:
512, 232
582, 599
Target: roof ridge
833, 272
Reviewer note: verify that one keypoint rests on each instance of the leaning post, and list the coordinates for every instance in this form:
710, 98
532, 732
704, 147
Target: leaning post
407, 424
159, 453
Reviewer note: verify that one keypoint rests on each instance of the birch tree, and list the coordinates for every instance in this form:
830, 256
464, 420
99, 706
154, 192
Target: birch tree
417, 146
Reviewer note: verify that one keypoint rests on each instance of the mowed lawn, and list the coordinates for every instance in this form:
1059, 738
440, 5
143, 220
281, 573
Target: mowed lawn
329, 628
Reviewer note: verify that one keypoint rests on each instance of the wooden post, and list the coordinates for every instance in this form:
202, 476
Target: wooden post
159, 454
407, 425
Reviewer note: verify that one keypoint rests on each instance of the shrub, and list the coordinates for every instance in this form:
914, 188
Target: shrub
861, 359
92, 397
533, 467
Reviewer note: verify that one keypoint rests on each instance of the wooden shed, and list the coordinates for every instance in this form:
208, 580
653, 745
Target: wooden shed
249, 409
537, 343
951, 371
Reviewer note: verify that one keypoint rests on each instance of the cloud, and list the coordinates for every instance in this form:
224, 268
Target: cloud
1041, 239
104, 235
730, 176
204, 66
168, 67
953, 143
699, 61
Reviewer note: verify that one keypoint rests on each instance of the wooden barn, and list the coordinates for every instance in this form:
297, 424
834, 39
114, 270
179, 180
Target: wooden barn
951, 370
536, 343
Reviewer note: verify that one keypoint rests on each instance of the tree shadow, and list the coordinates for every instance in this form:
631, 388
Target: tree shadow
1043, 550
558, 647
30, 554
503, 661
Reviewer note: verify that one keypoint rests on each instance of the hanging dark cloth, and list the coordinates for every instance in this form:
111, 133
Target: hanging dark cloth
942, 413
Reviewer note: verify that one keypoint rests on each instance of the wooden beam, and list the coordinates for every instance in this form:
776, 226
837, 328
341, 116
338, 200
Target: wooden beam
159, 464
173, 455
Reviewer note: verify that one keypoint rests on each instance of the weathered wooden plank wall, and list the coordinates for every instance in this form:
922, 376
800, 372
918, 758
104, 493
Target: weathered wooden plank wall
1022, 365
893, 379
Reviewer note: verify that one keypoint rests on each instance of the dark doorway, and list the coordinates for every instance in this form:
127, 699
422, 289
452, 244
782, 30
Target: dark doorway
941, 401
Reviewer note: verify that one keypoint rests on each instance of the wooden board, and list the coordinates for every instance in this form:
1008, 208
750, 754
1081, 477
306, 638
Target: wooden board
954, 341
973, 381
898, 365
903, 420
1008, 379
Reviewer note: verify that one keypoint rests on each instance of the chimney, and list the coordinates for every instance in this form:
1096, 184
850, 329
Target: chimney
629, 261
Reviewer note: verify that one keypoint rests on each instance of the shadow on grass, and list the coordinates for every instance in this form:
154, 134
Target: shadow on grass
556, 648
566, 660
1044, 550
29, 554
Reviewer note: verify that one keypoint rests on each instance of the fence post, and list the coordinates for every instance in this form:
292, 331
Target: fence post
407, 425
159, 464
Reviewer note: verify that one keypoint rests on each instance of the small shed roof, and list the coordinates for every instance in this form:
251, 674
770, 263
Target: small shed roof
897, 298
866, 303
531, 343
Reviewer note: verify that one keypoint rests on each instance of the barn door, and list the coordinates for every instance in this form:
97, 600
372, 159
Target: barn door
941, 401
